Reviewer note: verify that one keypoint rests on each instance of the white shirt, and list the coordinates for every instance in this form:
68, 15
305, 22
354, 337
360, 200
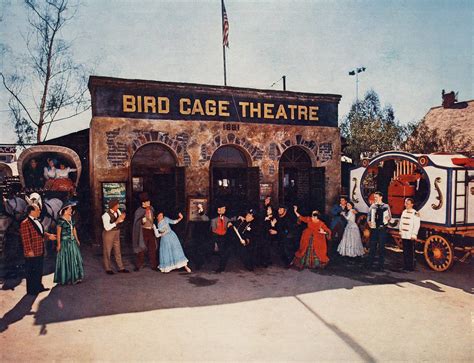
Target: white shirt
64, 173
38, 223
409, 224
49, 173
106, 220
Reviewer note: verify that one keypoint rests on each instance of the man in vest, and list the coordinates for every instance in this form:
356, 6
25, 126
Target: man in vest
219, 226
409, 226
378, 217
112, 220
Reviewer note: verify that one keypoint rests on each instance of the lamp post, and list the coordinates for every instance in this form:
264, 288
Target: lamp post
355, 72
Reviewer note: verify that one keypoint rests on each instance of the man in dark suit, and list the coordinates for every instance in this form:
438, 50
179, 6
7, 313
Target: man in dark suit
33, 236
248, 235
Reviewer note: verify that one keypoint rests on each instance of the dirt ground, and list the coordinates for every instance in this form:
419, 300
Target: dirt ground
342, 313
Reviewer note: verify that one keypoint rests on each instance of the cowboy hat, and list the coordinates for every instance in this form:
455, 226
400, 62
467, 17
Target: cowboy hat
35, 199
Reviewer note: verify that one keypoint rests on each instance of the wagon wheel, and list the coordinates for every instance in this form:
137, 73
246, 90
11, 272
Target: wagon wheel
438, 253
364, 229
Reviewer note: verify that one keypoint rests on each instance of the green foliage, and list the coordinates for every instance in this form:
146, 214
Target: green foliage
424, 140
369, 128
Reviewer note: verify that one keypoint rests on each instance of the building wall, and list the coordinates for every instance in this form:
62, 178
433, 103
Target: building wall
115, 140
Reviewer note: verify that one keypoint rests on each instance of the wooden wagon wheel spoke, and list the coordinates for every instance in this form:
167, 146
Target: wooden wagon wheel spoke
438, 253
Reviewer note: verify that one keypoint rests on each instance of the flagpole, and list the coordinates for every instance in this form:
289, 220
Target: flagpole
223, 45
225, 74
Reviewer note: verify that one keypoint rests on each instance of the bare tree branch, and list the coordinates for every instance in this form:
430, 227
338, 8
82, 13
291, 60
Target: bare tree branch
50, 79
17, 99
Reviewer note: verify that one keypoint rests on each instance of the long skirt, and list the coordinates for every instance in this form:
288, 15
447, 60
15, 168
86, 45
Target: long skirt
171, 253
309, 259
69, 266
351, 243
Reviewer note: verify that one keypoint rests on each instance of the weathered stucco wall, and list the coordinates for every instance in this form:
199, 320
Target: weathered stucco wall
115, 140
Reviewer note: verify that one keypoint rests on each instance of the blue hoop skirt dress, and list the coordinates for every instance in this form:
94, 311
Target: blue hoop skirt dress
171, 253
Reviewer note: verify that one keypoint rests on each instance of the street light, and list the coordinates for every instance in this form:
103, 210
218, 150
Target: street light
355, 72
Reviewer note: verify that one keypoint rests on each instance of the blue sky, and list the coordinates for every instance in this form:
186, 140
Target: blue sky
411, 49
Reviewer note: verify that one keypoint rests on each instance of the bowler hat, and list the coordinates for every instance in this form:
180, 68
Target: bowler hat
113, 202
220, 204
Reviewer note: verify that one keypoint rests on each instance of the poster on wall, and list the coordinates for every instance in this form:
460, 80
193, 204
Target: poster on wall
137, 184
198, 209
265, 189
114, 191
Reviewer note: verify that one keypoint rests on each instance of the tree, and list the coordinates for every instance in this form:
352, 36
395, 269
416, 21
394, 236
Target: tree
424, 140
47, 77
369, 128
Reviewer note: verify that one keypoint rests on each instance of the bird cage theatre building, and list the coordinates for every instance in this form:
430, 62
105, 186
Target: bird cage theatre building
186, 144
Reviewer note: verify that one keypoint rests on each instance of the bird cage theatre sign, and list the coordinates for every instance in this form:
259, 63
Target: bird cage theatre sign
214, 142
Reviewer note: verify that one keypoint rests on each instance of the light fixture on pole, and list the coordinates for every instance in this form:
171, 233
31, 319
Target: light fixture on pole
284, 82
355, 72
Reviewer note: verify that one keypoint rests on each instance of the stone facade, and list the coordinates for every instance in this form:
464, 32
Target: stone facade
115, 140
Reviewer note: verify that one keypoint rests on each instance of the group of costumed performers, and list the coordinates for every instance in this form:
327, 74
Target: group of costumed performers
254, 235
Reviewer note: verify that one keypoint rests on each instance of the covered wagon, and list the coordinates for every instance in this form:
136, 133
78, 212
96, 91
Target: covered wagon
442, 186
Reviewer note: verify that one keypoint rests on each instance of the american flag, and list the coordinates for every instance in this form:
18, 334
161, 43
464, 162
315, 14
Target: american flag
225, 27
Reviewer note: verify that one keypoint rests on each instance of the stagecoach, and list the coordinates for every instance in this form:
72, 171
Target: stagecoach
442, 186
15, 191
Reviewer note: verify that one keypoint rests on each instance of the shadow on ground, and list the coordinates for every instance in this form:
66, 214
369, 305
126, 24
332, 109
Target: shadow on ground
146, 290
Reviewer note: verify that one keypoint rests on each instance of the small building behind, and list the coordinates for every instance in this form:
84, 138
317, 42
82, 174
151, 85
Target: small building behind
455, 119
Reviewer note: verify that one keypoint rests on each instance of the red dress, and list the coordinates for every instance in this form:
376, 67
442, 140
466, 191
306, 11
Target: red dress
312, 236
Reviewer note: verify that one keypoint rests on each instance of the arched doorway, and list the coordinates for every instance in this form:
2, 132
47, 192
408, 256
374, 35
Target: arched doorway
154, 170
299, 183
233, 182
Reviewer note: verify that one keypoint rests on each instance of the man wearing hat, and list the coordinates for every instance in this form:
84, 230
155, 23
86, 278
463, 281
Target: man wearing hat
112, 220
143, 236
247, 234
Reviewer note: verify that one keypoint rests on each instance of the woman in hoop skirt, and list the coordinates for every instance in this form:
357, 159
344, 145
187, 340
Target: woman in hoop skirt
313, 249
351, 243
171, 253
69, 265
